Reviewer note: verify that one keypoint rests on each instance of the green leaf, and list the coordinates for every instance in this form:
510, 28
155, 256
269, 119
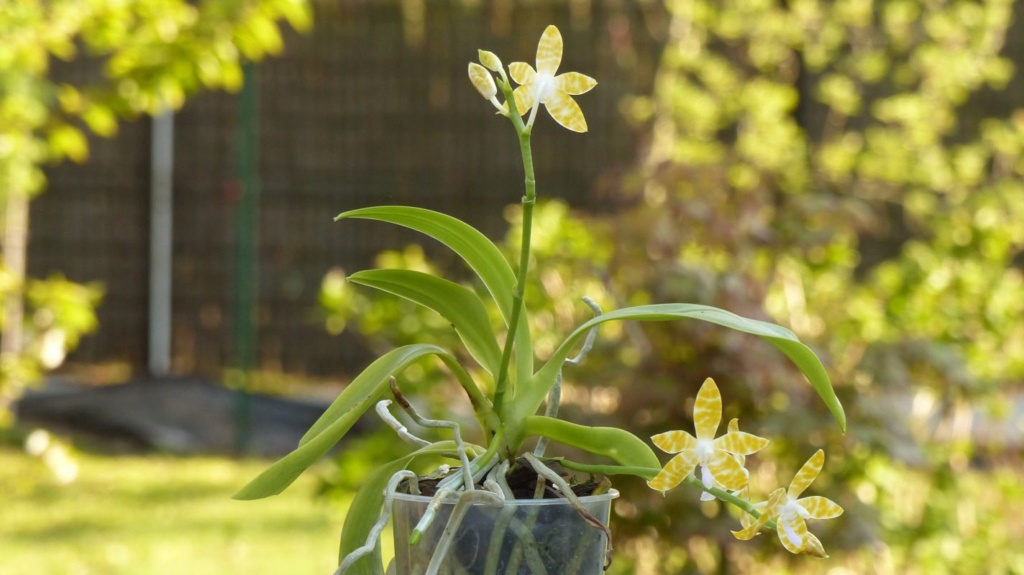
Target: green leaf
479, 253
618, 444
780, 337
364, 391
460, 306
366, 507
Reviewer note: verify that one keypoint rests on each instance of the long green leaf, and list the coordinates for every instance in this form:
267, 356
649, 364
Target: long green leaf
364, 391
460, 306
618, 444
366, 508
780, 337
479, 253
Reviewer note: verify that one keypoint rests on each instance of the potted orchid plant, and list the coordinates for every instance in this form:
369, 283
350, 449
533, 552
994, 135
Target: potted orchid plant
501, 505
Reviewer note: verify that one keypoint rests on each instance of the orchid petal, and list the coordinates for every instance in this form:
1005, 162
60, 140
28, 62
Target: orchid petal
793, 534
565, 111
775, 501
707, 410
740, 443
766, 511
524, 96
675, 471
522, 72
549, 51
674, 441
814, 548
807, 474
820, 507
727, 471
574, 83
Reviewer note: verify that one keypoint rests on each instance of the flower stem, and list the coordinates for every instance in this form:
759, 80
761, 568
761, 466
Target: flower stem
529, 200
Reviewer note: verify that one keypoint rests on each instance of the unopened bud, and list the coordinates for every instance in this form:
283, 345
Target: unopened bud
490, 60
482, 81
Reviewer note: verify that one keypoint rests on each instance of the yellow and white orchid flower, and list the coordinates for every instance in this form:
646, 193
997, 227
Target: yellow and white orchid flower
718, 458
542, 86
791, 512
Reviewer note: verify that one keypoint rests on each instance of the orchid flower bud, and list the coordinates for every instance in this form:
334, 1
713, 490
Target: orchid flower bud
482, 81
490, 60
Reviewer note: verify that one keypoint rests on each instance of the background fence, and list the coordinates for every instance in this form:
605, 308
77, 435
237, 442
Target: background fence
372, 106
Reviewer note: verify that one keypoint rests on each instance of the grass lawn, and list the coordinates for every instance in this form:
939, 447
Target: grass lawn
155, 515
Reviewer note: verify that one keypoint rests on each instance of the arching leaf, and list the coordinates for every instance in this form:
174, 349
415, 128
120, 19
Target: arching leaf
364, 391
618, 444
782, 338
479, 253
458, 305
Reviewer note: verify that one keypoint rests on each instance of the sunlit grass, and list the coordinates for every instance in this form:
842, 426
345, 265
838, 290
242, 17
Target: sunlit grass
158, 515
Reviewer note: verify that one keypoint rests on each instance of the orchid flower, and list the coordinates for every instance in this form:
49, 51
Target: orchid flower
718, 458
541, 86
791, 513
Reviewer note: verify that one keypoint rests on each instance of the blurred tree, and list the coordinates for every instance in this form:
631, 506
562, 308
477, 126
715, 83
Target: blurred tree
853, 169
154, 54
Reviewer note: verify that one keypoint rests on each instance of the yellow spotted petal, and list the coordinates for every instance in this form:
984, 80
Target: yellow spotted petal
767, 510
707, 411
549, 51
674, 441
482, 81
524, 99
775, 501
522, 72
793, 534
807, 474
820, 507
740, 443
675, 471
751, 526
574, 83
814, 548
746, 520
727, 471
565, 111
749, 530
734, 425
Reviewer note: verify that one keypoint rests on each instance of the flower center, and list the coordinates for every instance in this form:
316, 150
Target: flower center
705, 451
545, 85
792, 509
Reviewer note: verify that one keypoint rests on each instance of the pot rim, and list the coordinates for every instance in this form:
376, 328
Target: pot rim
611, 494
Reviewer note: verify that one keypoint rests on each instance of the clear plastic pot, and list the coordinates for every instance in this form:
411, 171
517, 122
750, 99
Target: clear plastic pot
522, 537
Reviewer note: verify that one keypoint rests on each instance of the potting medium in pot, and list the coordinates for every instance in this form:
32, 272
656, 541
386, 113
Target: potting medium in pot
522, 537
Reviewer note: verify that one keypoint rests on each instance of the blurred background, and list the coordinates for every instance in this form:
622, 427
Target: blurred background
175, 310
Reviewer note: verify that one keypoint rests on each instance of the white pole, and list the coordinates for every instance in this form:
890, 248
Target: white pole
160, 243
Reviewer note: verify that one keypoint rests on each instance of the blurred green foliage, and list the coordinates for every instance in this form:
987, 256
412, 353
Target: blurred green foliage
852, 169
58, 314
153, 54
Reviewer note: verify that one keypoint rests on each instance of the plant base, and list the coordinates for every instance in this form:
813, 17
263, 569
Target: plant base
522, 537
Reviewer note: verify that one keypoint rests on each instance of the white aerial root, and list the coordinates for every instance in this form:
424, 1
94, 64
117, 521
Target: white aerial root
466, 499
467, 474
382, 521
496, 489
392, 422
566, 490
